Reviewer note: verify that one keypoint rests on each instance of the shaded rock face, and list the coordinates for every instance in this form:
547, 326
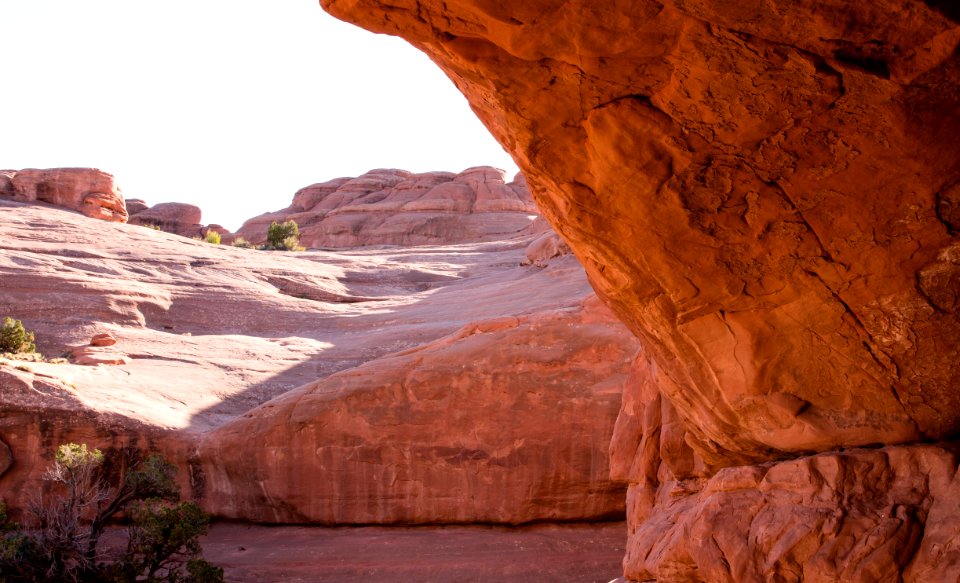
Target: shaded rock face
88, 190
396, 207
506, 421
6, 458
178, 218
766, 193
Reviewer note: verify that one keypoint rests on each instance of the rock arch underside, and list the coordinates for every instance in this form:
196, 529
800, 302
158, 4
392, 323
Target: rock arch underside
768, 194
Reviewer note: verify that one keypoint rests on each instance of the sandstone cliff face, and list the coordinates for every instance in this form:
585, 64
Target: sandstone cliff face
766, 194
396, 207
506, 421
90, 191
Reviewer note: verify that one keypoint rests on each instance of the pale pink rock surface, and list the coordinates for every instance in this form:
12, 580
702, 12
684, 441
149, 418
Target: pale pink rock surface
88, 190
211, 332
396, 207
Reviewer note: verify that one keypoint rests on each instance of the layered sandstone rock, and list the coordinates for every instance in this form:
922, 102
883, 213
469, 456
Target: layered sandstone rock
506, 421
396, 207
88, 190
766, 194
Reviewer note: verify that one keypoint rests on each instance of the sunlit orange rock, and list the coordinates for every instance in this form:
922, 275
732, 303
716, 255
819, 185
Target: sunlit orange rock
88, 190
765, 193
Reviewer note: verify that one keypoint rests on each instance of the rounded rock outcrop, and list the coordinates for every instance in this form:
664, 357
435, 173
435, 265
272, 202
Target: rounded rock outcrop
87, 190
396, 207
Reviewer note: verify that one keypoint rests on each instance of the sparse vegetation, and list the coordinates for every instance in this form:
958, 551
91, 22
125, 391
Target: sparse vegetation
284, 236
242, 243
14, 338
212, 237
61, 538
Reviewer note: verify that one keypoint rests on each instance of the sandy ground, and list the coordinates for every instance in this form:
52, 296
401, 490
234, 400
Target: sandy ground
588, 553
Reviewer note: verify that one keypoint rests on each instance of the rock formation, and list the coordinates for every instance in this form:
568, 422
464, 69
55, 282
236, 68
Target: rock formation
88, 190
766, 193
172, 217
396, 207
101, 350
502, 422
420, 366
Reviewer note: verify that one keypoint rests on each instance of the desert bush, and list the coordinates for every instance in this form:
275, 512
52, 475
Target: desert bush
14, 338
284, 236
212, 237
242, 243
60, 540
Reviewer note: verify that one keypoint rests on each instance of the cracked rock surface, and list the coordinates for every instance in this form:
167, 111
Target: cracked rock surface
766, 193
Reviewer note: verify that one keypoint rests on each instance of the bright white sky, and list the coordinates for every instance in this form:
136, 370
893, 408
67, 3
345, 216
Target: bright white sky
229, 105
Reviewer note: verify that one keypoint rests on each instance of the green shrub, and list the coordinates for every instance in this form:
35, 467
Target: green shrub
284, 236
60, 541
242, 243
212, 237
14, 338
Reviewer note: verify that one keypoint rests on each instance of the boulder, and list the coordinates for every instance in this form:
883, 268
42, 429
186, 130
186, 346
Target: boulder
136, 205
99, 351
173, 217
396, 207
544, 248
103, 339
87, 190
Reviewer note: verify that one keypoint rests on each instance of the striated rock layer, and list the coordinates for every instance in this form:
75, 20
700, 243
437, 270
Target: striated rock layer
767, 194
396, 207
